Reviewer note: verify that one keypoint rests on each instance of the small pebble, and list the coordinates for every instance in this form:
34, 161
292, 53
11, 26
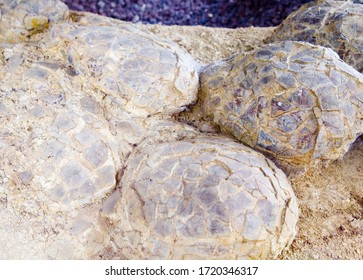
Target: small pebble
101, 4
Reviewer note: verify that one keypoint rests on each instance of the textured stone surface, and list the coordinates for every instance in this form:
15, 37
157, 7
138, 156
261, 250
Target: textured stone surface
146, 75
85, 109
68, 110
203, 198
20, 20
75, 104
334, 24
292, 100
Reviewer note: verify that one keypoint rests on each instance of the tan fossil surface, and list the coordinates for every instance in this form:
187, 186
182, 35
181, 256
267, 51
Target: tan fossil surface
294, 101
87, 109
330, 199
59, 200
334, 24
203, 198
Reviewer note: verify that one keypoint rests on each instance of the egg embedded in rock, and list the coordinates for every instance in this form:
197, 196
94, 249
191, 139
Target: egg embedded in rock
146, 74
203, 198
291, 100
334, 24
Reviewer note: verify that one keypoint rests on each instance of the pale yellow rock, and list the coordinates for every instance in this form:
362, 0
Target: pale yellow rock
29, 230
68, 135
21, 19
65, 129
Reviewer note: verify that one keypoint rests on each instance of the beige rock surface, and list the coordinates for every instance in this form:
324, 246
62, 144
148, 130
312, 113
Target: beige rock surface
78, 99
61, 147
21, 21
330, 199
69, 225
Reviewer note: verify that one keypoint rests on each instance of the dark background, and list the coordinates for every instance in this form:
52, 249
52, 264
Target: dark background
216, 13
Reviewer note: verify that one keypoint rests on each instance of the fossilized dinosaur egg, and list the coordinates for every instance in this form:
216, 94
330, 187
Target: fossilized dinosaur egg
292, 100
203, 198
146, 74
334, 24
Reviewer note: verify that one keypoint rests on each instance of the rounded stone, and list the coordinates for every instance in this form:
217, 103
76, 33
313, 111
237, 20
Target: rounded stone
147, 75
292, 100
334, 24
203, 198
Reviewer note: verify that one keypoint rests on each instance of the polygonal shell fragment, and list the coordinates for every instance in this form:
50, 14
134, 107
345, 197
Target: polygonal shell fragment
148, 75
21, 19
292, 100
207, 198
334, 24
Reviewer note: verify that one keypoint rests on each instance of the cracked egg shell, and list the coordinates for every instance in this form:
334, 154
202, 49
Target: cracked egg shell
146, 74
334, 24
291, 100
203, 198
